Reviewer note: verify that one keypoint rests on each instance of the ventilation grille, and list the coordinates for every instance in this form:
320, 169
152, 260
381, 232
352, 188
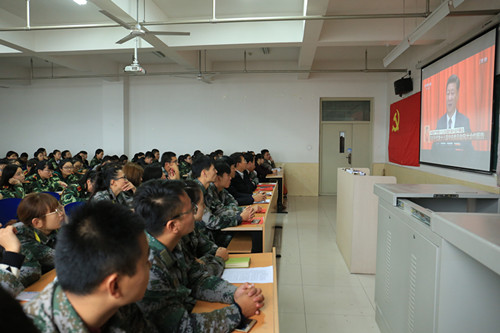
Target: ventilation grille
411, 301
388, 248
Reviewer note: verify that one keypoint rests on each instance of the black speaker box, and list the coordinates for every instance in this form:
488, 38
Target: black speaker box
403, 86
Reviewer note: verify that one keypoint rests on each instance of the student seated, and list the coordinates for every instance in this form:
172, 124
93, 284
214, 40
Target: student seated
268, 160
217, 215
11, 182
65, 172
12, 260
170, 165
82, 191
41, 217
174, 284
241, 181
185, 162
55, 158
262, 171
112, 185
252, 174
97, 159
153, 172
42, 180
102, 269
197, 244
243, 198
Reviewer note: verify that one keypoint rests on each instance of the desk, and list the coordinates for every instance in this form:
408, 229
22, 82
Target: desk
267, 320
280, 179
267, 226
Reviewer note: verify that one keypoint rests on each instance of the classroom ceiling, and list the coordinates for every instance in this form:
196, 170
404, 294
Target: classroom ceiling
64, 39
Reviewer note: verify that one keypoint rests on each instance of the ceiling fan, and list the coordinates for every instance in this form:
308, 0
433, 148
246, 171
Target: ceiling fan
138, 30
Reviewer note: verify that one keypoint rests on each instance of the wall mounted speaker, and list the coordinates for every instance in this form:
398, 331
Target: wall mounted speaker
403, 86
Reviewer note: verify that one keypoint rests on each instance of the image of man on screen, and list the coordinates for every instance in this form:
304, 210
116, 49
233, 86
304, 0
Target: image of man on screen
447, 150
453, 118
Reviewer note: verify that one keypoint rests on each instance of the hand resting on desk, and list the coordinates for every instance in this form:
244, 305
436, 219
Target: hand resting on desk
249, 299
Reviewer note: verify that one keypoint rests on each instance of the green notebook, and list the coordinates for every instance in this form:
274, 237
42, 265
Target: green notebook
242, 262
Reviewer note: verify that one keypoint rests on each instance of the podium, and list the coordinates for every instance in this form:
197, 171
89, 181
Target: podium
357, 211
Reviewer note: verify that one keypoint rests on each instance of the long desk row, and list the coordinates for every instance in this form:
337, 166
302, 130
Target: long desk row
267, 320
265, 230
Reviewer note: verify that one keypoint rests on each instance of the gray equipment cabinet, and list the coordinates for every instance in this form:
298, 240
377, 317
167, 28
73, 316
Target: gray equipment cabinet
413, 265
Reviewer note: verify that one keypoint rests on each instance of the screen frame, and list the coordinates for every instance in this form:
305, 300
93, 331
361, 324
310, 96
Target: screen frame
494, 125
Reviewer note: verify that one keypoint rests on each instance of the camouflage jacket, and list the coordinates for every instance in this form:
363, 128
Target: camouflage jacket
174, 286
18, 270
41, 246
221, 211
37, 184
95, 162
254, 177
70, 179
123, 198
74, 193
13, 191
54, 163
184, 169
51, 311
199, 246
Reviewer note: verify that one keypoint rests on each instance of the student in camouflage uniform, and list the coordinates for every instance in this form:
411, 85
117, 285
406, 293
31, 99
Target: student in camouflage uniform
18, 269
222, 209
99, 154
96, 293
170, 165
185, 162
268, 160
11, 182
42, 180
176, 283
80, 192
198, 245
112, 184
65, 172
42, 216
55, 159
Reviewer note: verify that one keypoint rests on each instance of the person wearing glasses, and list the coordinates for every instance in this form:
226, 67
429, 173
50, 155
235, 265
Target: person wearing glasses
42, 181
197, 245
175, 283
11, 182
65, 172
112, 184
41, 216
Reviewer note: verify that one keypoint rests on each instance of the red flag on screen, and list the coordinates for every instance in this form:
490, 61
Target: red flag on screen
404, 131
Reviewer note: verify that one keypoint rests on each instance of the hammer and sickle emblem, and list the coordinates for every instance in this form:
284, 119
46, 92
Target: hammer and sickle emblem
395, 119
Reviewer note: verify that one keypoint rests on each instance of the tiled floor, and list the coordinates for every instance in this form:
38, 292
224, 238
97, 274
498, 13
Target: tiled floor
315, 290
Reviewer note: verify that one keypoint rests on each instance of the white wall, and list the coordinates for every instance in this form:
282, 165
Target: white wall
62, 114
244, 112
233, 113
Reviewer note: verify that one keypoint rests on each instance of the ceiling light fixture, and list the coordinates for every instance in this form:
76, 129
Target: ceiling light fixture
81, 2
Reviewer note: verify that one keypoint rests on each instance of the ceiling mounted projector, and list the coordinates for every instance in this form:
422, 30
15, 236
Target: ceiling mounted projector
135, 68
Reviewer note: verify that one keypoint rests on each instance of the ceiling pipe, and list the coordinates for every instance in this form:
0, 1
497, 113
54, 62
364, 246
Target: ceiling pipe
488, 12
285, 71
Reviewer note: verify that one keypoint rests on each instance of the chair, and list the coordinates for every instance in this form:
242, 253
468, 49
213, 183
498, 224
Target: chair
69, 208
8, 210
54, 194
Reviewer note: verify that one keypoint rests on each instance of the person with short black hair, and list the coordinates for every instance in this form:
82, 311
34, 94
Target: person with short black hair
262, 171
197, 244
268, 160
55, 158
174, 283
102, 269
97, 159
185, 162
242, 187
153, 172
11, 155
170, 165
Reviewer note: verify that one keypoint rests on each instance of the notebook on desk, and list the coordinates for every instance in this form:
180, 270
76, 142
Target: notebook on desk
241, 262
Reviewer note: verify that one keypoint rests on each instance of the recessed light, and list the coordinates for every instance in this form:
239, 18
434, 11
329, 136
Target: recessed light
81, 2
